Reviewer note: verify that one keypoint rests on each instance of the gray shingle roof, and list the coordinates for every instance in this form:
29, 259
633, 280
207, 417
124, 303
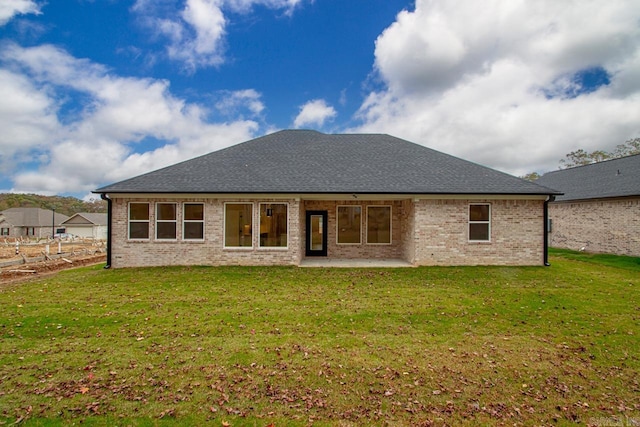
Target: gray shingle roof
303, 161
33, 217
87, 217
611, 178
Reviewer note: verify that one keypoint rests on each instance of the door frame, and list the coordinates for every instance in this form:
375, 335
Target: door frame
325, 228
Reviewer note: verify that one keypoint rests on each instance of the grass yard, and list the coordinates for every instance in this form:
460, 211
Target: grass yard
294, 347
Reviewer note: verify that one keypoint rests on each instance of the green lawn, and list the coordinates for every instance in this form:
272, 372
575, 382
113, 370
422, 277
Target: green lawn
281, 346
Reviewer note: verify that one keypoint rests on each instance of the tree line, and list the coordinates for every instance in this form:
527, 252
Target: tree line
582, 157
65, 205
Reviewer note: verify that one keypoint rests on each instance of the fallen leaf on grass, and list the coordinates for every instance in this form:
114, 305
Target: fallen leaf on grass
167, 413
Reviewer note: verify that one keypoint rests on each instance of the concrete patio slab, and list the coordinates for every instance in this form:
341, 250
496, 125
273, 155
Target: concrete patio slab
355, 263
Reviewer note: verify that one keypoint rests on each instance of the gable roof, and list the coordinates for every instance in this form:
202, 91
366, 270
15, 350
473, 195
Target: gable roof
611, 178
87, 218
32, 217
304, 161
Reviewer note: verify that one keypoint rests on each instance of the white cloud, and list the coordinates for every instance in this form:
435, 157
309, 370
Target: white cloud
27, 118
234, 101
476, 79
99, 144
315, 112
245, 6
196, 33
11, 8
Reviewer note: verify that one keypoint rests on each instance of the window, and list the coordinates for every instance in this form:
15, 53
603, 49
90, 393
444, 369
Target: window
349, 225
379, 225
31, 231
273, 225
166, 221
4, 232
138, 220
193, 221
479, 222
238, 225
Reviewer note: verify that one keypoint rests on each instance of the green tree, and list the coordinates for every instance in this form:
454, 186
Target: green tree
531, 176
64, 205
629, 148
581, 157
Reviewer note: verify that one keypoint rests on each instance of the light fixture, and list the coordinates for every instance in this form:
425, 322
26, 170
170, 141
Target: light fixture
269, 211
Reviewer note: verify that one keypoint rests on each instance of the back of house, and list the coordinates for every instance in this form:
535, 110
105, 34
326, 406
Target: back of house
298, 195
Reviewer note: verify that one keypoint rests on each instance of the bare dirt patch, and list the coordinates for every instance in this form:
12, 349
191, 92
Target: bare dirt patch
24, 260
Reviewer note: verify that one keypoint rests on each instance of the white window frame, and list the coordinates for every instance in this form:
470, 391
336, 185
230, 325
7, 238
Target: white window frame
390, 224
338, 225
224, 227
488, 222
129, 221
174, 221
273, 248
191, 221
2, 232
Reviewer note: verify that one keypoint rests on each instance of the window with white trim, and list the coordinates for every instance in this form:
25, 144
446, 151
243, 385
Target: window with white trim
349, 225
379, 225
4, 231
138, 220
193, 221
479, 222
238, 225
166, 221
274, 225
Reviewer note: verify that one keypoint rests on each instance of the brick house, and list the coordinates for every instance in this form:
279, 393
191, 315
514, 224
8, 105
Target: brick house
296, 195
30, 222
600, 209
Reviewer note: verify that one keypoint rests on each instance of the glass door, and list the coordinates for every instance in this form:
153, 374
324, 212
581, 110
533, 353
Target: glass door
316, 233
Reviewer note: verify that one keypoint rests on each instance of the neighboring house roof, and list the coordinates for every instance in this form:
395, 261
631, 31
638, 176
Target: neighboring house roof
87, 218
611, 178
304, 161
32, 217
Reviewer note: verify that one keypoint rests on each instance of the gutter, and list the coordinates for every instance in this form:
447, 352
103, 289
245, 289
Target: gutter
103, 196
545, 220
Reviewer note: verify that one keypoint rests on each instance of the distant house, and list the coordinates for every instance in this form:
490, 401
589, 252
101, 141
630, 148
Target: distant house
600, 209
296, 195
86, 224
30, 222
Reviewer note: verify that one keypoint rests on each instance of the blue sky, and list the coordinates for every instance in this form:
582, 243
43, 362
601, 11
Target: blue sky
92, 92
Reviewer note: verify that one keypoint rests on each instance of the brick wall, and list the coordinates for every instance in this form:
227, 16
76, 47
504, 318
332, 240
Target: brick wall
601, 226
442, 233
424, 232
132, 253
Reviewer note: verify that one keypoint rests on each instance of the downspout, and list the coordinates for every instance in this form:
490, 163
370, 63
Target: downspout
103, 196
545, 216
